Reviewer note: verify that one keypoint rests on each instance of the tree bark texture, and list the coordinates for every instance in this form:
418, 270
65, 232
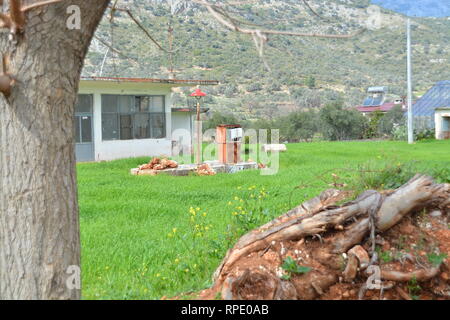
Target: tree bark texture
39, 225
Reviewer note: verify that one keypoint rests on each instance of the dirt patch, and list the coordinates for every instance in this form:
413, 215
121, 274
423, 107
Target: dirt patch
406, 247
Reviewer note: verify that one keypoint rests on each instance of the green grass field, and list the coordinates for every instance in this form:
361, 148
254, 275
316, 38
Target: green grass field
138, 240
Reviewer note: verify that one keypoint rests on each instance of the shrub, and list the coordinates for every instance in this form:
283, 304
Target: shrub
337, 123
219, 118
310, 82
387, 175
394, 117
424, 134
299, 126
399, 133
373, 125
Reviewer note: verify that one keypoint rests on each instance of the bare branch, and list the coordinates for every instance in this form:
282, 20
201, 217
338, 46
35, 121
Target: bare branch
15, 20
16, 14
419, 275
4, 64
260, 34
314, 12
239, 3
5, 21
212, 9
114, 49
7, 81
39, 4
139, 24
234, 19
113, 10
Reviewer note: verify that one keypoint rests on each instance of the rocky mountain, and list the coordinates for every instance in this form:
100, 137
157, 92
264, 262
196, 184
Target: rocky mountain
304, 72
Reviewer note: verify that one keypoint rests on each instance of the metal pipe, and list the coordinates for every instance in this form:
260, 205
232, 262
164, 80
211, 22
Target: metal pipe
409, 67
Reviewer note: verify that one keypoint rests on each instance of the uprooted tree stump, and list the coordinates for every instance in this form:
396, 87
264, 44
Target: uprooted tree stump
336, 242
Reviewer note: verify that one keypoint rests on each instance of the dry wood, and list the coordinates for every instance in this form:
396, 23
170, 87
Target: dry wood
419, 275
318, 215
16, 15
295, 229
6, 80
416, 192
403, 293
362, 255
276, 229
5, 21
15, 20
351, 269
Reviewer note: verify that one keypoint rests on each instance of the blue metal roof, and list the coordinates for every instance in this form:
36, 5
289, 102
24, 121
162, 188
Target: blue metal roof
437, 97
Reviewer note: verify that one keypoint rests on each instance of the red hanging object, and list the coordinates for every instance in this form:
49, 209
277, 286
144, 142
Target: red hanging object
198, 93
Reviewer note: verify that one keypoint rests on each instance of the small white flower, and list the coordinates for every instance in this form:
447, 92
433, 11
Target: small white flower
279, 272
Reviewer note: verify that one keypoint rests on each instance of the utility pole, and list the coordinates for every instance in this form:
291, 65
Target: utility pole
410, 113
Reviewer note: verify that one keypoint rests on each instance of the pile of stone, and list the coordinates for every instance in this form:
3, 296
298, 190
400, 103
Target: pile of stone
205, 170
156, 164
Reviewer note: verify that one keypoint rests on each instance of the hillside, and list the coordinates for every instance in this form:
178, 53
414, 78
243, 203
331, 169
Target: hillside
341, 68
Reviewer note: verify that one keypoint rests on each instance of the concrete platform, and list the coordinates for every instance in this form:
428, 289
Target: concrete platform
186, 169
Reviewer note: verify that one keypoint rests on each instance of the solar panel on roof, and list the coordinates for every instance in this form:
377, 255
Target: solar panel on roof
377, 101
368, 102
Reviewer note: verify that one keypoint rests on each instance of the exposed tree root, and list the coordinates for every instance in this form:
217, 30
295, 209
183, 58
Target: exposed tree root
418, 275
248, 272
403, 293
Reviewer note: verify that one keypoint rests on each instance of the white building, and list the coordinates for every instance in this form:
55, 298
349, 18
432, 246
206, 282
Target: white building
127, 117
442, 121
432, 110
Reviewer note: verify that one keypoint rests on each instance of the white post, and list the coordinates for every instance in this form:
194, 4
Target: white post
410, 114
199, 140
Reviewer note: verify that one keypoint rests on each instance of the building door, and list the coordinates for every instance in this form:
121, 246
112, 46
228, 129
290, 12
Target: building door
84, 142
446, 127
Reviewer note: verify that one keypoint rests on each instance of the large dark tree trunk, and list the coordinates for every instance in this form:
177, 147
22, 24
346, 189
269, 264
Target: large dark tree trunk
39, 226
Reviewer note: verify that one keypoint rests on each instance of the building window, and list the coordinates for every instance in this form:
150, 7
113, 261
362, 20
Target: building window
83, 119
133, 117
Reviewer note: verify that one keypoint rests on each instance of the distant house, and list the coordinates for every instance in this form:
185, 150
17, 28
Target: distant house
128, 117
376, 101
432, 110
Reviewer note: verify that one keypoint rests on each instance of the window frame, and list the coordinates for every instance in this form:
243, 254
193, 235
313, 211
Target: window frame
136, 112
78, 118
